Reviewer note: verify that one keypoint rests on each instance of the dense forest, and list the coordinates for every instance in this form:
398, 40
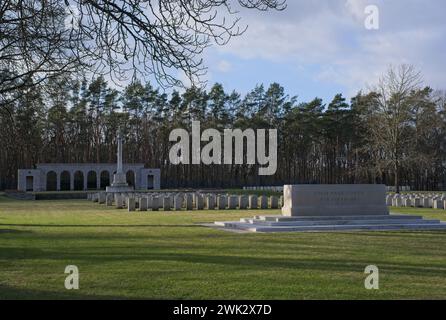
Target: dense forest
390, 135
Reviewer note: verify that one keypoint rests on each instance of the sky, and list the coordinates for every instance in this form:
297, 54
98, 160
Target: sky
319, 48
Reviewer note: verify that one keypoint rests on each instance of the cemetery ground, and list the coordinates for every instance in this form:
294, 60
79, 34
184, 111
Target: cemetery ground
157, 255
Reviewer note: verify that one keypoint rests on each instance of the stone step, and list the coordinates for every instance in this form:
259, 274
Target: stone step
368, 217
315, 228
339, 222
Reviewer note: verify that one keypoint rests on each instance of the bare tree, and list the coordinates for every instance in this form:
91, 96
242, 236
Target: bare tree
34, 46
40, 39
392, 114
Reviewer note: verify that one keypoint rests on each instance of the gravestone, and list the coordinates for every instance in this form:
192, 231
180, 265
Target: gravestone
243, 202
274, 202
166, 203
131, 204
155, 203
425, 202
109, 200
416, 202
210, 202
119, 201
221, 202
253, 202
263, 202
189, 202
178, 201
438, 204
232, 202
389, 199
335, 200
149, 201
143, 204
407, 202
199, 202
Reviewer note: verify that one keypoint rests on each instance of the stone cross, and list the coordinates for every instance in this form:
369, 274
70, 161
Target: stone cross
119, 134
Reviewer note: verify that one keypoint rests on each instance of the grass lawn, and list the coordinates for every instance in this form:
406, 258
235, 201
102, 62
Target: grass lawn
168, 255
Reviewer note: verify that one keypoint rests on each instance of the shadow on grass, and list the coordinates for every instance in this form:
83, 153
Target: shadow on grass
13, 293
13, 231
153, 254
399, 234
101, 225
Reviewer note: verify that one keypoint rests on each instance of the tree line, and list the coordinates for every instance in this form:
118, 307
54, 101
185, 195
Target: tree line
393, 134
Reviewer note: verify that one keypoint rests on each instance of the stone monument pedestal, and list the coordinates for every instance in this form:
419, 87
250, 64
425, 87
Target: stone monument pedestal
119, 184
333, 208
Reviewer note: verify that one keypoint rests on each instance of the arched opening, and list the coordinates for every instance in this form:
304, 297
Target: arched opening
51, 181
29, 183
65, 181
105, 179
150, 181
78, 180
92, 182
130, 177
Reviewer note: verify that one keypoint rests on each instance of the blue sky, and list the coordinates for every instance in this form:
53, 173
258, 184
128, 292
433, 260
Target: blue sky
321, 47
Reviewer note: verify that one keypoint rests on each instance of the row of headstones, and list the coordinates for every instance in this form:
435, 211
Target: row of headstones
265, 188
188, 201
435, 201
393, 189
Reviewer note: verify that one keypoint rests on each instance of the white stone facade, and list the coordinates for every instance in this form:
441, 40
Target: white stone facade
84, 176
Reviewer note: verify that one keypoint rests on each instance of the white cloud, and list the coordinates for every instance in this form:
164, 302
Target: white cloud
331, 35
224, 66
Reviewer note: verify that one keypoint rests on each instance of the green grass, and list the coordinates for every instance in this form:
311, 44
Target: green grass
168, 255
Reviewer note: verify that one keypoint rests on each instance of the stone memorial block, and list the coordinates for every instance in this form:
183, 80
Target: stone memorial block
131, 204
253, 202
263, 202
243, 202
274, 202
95, 197
335, 200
